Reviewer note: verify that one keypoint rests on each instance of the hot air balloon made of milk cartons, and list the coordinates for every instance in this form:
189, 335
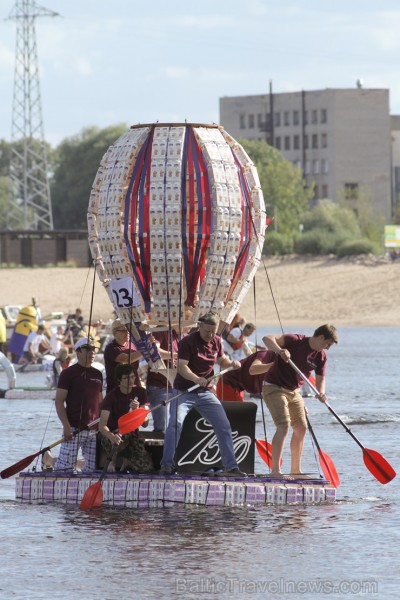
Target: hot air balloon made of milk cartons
176, 224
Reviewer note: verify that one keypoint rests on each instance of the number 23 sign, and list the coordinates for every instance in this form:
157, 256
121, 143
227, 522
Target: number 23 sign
124, 293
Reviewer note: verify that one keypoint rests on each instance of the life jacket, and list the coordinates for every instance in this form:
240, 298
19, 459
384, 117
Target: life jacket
238, 344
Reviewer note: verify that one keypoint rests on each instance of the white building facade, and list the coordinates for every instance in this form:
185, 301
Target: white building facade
341, 139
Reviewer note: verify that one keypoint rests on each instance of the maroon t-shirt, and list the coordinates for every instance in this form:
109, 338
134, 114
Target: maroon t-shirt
201, 357
84, 385
112, 350
241, 378
164, 339
118, 403
306, 359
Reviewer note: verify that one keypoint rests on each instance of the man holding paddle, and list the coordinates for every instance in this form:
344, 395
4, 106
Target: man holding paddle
198, 353
78, 398
282, 383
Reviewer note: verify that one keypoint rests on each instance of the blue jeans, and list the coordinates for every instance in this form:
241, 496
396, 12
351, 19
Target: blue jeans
210, 408
155, 396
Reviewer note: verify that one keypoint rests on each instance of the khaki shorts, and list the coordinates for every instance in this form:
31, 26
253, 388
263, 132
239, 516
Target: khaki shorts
285, 406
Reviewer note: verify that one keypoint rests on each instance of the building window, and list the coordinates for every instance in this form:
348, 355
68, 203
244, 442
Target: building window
295, 117
314, 117
277, 119
307, 167
315, 167
286, 118
324, 115
316, 192
297, 163
325, 191
305, 142
315, 140
324, 140
242, 121
278, 143
324, 166
351, 191
287, 142
251, 121
259, 120
296, 142
305, 117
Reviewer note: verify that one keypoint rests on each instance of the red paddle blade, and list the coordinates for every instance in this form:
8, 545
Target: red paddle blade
19, 466
93, 497
378, 466
265, 451
132, 420
328, 468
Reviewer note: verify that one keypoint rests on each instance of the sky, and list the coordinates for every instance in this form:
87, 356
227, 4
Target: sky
105, 62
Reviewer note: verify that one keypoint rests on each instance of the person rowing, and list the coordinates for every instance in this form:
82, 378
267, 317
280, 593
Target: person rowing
198, 353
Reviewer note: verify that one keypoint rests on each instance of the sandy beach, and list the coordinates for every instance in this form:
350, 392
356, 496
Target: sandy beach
361, 291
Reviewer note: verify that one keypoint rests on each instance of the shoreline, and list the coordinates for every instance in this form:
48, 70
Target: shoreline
357, 292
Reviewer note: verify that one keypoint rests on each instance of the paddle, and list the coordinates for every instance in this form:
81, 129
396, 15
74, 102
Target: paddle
375, 462
327, 466
132, 420
93, 497
25, 462
265, 451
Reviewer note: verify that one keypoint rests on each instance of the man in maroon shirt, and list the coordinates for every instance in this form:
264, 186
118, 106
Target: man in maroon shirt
120, 351
78, 397
282, 383
248, 378
198, 353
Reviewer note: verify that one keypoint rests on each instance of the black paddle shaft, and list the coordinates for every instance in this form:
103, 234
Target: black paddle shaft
312, 434
344, 425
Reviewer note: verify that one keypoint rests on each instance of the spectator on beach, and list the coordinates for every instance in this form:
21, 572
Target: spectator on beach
60, 363
248, 378
118, 402
78, 398
37, 343
236, 345
198, 353
57, 340
75, 324
119, 351
282, 383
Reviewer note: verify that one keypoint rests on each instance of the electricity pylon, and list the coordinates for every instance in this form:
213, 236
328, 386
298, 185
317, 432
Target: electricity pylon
29, 198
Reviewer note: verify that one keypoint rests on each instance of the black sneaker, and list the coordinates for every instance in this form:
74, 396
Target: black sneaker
234, 472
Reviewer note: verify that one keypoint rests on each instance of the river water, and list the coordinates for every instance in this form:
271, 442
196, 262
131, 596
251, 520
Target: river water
346, 550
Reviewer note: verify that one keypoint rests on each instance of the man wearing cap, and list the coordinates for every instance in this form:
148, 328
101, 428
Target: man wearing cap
120, 351
198, 353
78, 397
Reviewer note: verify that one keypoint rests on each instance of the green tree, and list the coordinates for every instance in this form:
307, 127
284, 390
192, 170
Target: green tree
285, 192
332, 218
76, 163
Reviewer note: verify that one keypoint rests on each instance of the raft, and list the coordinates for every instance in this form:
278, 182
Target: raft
158, 491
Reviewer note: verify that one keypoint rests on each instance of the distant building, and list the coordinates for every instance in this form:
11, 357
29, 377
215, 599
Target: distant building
343, 139
40, 248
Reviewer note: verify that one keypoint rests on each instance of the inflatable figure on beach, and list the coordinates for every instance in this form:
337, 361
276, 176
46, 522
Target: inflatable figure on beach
26, 322
176, 225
